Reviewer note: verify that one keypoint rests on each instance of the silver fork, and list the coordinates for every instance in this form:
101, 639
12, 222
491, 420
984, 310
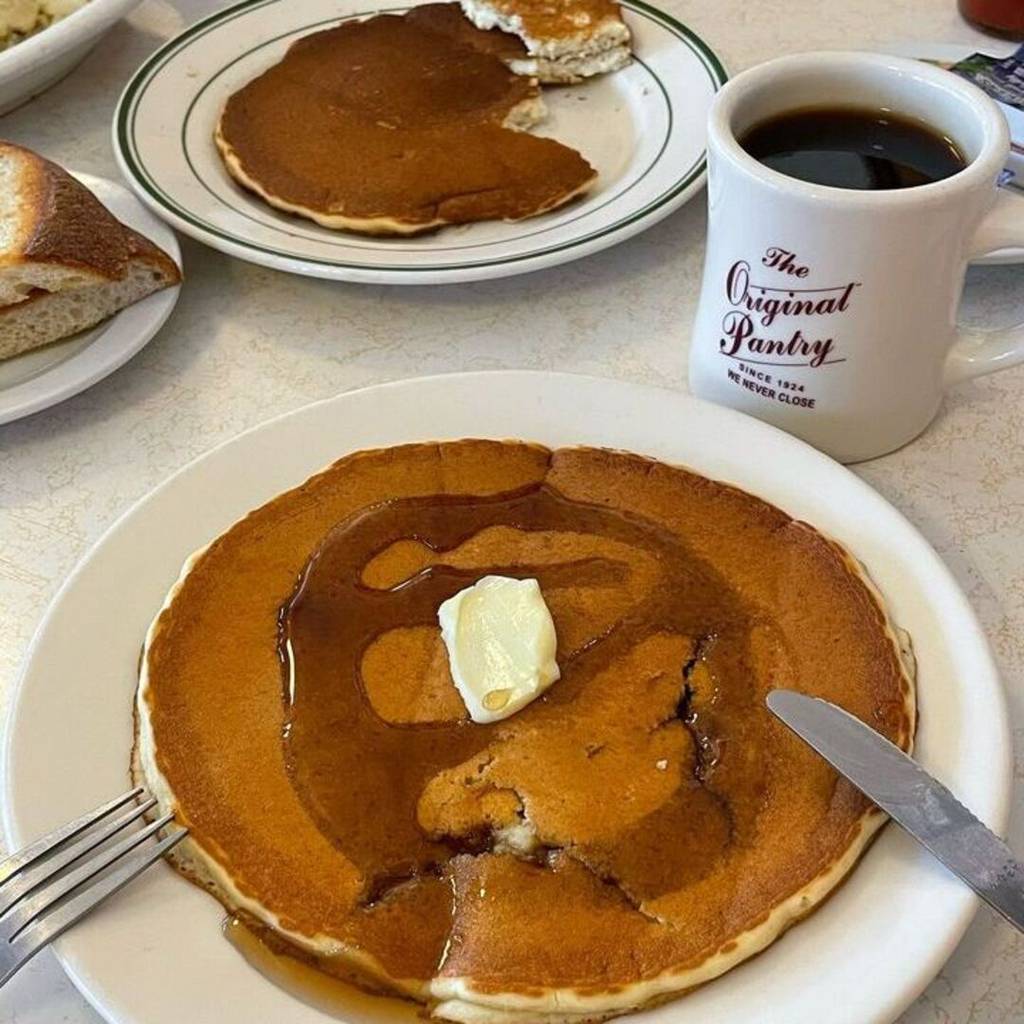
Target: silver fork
49, 885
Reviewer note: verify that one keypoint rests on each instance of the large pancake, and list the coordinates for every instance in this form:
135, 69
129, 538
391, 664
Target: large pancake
386, 126
638, 830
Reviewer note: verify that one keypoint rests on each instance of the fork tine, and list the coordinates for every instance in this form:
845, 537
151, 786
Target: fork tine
33, 873
44, 930
15, 863
29, 909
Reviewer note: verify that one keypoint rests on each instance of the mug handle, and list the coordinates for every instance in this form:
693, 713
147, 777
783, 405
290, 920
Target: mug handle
976, 353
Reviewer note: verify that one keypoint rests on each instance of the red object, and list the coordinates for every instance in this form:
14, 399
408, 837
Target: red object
1004, 17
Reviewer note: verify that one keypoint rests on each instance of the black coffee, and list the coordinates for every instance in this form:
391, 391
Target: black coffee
848, 147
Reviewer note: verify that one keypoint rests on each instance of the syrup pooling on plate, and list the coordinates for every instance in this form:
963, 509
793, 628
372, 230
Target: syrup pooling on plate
326, 986
656, 691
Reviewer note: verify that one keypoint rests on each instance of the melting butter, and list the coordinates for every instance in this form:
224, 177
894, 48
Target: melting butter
501, 645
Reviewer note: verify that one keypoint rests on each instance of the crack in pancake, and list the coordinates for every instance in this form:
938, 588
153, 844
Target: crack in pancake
699, 690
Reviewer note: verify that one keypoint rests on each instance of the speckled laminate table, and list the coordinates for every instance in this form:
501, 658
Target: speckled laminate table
245, 344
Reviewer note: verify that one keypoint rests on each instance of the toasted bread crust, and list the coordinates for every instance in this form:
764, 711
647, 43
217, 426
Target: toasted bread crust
61, 222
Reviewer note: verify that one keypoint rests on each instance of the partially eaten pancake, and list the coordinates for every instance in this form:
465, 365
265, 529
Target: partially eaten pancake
386, 126
567, 61
636, 831
565, 40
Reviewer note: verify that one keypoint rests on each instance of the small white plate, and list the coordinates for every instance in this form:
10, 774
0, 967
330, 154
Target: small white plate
643, 128
39, 379
155, 954
952, 53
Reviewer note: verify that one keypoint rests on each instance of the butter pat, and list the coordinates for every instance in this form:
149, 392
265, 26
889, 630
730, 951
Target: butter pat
501, 645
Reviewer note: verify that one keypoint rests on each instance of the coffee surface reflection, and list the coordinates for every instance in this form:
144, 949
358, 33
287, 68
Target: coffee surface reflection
847, 147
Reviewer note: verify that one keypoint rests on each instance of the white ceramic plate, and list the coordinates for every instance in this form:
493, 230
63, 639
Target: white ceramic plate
39, 379
155, 954
36, 63
951, 53
643, 128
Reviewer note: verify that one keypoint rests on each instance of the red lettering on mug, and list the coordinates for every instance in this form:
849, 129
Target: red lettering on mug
782, 259
770, 302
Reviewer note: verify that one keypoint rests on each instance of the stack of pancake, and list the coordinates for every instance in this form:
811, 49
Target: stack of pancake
637, 830
399, 124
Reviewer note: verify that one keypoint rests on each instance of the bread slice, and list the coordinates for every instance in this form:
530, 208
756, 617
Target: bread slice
566, 40
66, 262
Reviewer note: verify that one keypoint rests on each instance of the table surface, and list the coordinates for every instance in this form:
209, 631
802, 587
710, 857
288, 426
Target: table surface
245, 344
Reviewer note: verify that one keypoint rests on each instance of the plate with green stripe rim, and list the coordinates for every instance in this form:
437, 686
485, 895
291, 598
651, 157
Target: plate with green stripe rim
642, 128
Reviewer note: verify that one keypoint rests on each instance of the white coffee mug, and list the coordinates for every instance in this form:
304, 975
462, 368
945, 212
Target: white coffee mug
831, 312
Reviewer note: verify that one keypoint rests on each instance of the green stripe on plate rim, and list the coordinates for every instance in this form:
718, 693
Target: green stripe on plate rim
132, 95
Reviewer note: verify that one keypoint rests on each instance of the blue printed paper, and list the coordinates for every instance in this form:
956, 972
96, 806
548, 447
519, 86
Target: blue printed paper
1003, 79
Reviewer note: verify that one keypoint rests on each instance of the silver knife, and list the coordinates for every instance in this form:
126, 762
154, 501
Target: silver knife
911, 797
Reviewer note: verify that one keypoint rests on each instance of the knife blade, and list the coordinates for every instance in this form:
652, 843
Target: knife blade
911, 797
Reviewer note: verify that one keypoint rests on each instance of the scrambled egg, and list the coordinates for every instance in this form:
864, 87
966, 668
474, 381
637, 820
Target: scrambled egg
20, 18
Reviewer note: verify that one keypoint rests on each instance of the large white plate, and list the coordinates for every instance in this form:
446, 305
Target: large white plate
155, 955
643, 128
48, 375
